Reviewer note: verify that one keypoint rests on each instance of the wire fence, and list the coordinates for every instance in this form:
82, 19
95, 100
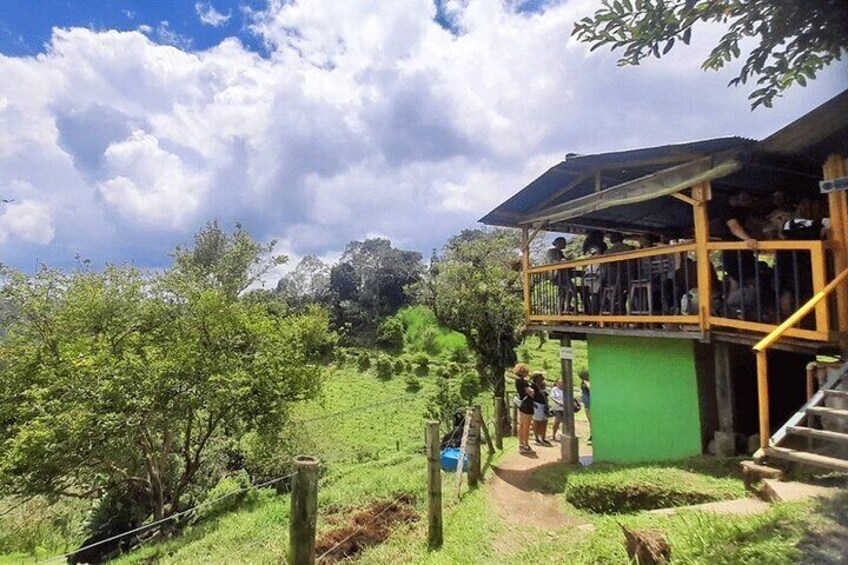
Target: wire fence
167, 519
325, 461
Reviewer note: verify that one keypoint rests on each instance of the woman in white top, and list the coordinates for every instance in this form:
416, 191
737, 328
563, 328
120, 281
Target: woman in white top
558, 406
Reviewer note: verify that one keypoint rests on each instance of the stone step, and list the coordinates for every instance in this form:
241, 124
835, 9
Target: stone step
790, 491
806, 458
818, 434
821, 411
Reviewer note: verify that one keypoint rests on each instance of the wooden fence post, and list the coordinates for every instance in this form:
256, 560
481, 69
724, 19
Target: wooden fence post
499, 416
474, 448
514, 419
434, 479
304, 511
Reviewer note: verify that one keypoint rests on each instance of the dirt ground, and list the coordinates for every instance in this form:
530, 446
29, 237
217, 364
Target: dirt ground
514, 495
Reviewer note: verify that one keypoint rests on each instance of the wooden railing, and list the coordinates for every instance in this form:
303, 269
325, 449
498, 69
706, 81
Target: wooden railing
750, 290
761, 350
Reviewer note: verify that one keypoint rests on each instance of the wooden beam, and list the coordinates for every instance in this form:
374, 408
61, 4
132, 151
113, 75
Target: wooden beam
616, 257
683, 198
763, 398
649, 187
757, 327
525, 269
702, 193
835, 167
617, 319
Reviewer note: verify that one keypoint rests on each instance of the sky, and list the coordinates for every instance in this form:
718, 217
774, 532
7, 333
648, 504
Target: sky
126, 125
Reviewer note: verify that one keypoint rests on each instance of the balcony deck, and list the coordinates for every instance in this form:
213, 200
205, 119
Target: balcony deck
658, 289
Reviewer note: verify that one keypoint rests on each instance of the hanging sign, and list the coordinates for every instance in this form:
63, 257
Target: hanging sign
833, 185
566, 353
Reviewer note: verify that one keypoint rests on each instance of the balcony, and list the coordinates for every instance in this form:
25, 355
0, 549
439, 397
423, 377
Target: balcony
660, 288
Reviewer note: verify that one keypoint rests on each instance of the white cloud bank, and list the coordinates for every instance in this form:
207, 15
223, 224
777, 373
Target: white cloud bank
367, 117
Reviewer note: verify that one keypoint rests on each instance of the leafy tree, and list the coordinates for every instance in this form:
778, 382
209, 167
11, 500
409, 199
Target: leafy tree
121, 381
797, 38
369, 283
476, 291
390, 333
308, 283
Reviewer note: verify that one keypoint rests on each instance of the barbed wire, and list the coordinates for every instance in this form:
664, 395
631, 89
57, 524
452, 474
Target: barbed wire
350, 410
169, 518
360, 528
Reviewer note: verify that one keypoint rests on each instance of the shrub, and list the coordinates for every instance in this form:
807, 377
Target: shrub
524, 354
228, 487
422, 362
384, 367
390, 333
430, 341
469, 387
363, 362
412, 383
400, 366
454, 369
459, 355
443, 372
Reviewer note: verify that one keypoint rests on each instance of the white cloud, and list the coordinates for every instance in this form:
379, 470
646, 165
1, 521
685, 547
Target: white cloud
27, 220
367, 117
210, 16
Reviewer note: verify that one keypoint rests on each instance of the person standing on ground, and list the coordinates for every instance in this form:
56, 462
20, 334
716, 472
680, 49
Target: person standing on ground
558, 407
525, 406
586, 397
540, 408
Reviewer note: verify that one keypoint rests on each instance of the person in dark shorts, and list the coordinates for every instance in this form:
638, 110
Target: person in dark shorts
525, 395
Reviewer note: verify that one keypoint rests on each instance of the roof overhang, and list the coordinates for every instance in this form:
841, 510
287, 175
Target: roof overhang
655, 185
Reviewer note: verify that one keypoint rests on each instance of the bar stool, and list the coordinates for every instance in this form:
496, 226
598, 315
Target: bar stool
610, 300
641, 295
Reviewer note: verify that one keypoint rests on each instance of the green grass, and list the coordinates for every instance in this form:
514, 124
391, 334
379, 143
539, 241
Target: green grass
423, 332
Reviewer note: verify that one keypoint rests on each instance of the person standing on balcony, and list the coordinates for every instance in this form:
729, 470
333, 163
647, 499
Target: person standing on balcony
560, 279
617, 244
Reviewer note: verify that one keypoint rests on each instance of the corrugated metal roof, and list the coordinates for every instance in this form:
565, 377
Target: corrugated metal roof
576, 177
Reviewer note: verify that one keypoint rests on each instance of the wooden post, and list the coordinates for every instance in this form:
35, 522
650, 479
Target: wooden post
763, 398
474, 448
725, 439
835, 167
484, 429
304, 511
463, 449
525, 268
702, 193
514, 419
500, 409
435, 535
569, 448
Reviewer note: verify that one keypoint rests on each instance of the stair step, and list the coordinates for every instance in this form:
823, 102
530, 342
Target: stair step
836, 393
818, 434
806, 458
822, 411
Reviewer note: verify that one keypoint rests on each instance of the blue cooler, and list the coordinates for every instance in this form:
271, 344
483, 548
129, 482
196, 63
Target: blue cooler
450, 457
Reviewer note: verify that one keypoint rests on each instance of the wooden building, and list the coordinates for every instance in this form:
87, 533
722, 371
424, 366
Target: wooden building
699, 339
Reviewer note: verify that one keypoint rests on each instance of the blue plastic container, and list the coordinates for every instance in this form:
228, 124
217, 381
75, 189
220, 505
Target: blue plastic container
450, 458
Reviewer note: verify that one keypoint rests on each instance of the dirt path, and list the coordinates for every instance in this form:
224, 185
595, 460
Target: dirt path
518, 500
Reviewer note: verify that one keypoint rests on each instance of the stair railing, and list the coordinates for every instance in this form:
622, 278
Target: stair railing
761, 349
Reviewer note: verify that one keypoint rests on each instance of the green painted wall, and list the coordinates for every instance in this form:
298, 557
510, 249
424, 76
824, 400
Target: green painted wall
644, 398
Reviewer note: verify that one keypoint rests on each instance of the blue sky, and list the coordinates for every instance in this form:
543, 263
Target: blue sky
318, 122
25, 25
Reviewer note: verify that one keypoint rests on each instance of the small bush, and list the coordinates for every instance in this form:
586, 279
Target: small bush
443, 372
459, 355
390, 333
228, 487
454, 369
399, 366
430, 341
412, 383
524, 354
384, 367
363, 362
469, 387
421, 362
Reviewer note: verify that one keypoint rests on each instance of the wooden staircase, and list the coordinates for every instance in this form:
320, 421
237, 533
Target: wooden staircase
809, 437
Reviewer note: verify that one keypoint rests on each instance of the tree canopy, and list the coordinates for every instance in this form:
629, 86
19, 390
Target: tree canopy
121, 380
796, 38
474, 289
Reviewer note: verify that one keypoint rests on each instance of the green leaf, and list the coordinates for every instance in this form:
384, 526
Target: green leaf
687, 35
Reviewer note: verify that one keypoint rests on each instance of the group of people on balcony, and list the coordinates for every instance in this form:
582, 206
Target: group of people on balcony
764, 287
